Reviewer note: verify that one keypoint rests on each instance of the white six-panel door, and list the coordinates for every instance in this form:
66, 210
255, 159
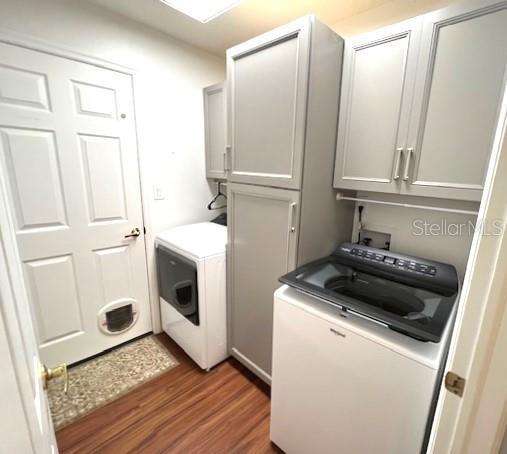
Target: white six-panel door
68, 149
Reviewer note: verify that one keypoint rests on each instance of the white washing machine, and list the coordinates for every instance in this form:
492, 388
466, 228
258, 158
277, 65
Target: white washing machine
191, 281
358, 352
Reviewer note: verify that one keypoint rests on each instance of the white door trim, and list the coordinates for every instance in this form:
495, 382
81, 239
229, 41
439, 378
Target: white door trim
29, 42
473, 423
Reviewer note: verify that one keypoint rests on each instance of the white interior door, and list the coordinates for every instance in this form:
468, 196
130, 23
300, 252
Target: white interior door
476, 421
68, 149
25, 422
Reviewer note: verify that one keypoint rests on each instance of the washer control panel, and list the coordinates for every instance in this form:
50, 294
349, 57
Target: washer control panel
404, 264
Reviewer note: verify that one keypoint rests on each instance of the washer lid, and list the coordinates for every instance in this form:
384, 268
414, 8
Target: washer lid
200, 240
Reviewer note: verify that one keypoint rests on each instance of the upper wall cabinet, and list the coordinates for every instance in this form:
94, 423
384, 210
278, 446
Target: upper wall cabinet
267, 91
377, 89
215, 120
427, 132
459, 88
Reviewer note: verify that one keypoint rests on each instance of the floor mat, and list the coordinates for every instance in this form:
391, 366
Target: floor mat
103, 379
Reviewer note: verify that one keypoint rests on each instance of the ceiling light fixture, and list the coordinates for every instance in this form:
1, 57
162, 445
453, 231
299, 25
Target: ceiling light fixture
202, 10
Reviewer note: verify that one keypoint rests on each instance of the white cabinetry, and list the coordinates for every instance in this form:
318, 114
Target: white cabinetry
263, 238
377, 89
458, 90
283, 92
268, 89
420, 101
215, 120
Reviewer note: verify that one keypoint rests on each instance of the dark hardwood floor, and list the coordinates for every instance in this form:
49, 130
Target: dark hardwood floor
184, 410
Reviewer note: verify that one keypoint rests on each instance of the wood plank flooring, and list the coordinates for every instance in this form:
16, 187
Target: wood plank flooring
185, 410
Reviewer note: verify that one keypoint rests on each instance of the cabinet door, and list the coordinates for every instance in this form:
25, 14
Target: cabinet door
215, 120
377, 89
267, 89
262, 238
458, 90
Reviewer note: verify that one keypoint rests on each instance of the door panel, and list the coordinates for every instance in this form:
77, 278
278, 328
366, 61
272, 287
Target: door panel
261, 248
457, 101
55, 298
94, 100
68, 147
379, 71
103, 175
22, 88
267, 79
31, 161
115, 271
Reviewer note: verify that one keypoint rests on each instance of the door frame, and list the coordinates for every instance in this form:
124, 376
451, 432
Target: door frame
26, 41
473, 423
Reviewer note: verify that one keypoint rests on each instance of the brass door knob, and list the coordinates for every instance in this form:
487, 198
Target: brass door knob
58, 371
134, 233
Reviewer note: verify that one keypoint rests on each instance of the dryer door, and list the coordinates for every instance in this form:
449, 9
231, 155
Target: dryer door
177, 282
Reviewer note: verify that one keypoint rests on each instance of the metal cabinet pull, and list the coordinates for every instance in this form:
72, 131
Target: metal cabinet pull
337, 333
410, 151
397, 163
227, 158
292, 216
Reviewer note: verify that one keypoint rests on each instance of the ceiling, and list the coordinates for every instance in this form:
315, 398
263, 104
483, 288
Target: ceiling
248, 19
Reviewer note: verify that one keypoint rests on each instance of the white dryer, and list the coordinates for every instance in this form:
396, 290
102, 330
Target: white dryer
191, 282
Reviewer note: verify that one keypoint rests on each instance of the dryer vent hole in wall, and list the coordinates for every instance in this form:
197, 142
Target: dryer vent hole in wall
120, 318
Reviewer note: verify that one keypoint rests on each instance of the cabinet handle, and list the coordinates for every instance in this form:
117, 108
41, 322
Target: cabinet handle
227, 158
292, 215
407, 163
397, 163
337, 333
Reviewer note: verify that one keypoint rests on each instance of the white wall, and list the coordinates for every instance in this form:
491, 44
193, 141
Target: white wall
169, 78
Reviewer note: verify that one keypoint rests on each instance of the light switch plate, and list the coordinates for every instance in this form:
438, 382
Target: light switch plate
158, 192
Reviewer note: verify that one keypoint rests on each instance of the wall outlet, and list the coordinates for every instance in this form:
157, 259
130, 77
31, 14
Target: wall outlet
158, 192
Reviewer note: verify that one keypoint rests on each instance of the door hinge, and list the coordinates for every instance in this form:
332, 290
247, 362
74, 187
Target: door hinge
454, 383
144, 229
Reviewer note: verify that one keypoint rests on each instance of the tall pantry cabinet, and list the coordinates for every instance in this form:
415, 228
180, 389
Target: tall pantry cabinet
283, 93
